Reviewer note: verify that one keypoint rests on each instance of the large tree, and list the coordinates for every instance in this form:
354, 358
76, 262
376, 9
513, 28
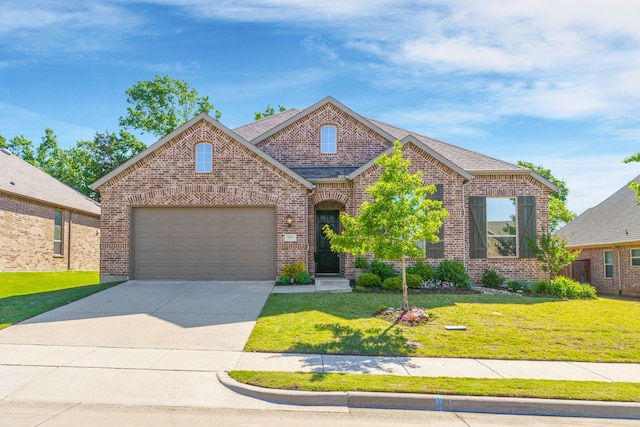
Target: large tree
400, 216
162, 104
268, 111
90, 160
635, 186
559, 214
23, 148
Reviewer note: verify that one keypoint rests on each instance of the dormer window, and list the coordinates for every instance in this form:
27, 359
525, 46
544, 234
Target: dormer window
203, 158
328, 139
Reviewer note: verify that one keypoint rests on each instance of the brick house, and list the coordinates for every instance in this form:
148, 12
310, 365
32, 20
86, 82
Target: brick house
608, 236
209, 202
44, 225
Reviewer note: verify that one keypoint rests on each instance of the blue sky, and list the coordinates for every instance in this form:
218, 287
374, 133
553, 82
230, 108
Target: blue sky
554, 83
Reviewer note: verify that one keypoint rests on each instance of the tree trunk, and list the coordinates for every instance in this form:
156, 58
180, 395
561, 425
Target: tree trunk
405, 291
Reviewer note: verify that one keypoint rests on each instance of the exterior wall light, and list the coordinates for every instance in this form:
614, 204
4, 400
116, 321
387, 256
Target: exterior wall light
289, 221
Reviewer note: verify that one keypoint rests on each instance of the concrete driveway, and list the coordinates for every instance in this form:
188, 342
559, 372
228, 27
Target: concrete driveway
151, 315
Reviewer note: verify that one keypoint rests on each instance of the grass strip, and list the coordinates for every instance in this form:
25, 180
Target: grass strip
521, 388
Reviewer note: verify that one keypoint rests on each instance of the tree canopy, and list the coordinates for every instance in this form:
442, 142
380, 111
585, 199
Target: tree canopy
269, 111
400, 216
162, 104
635, 186
559, 214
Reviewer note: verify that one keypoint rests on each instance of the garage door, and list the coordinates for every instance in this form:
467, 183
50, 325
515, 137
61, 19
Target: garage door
203, 243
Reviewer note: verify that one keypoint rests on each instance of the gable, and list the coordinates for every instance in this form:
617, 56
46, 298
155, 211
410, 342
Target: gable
297, 142
174, 155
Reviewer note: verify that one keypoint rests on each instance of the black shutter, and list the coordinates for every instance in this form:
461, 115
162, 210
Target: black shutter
436, 250
478, 226
526, 224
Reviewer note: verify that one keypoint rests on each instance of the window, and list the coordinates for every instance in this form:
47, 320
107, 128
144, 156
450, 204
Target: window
608, 264
203, 158
501, 227
635, 257
328, 139
57, 232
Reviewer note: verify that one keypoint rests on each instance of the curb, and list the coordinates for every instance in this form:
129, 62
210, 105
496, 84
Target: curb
428, 402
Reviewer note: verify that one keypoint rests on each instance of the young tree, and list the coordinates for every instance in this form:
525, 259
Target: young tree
558, 212
162, 104
635, 186
551, 252
399, 218
269, 111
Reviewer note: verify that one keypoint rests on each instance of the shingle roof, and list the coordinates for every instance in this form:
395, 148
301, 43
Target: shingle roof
254, 129
614, 221
323, 172
20, 178
468, 160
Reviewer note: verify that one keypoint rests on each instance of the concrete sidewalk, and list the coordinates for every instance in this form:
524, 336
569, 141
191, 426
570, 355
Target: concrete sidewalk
193, 378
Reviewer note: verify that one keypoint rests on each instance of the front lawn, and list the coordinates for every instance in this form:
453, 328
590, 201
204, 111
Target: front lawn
498, 327
24, 295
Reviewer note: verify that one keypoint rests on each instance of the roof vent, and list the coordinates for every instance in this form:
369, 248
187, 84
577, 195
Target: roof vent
5, 151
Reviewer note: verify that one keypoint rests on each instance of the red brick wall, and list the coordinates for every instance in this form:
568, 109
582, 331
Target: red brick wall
26, 238
298, 145
626, 277
167, 177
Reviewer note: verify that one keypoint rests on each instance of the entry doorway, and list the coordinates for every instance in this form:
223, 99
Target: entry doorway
327, 262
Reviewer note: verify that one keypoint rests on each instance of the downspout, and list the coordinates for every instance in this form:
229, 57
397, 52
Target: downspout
306, 231
69, 242
619, 273
465, 226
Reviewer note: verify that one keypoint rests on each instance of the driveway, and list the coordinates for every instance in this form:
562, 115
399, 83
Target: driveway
151, 315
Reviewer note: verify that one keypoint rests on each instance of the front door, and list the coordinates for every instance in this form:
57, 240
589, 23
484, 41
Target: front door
327, 261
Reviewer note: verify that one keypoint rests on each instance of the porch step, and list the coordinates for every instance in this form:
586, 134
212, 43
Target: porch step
332, 284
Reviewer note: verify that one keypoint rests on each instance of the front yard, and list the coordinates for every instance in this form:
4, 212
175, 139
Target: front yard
24, 295
498, 327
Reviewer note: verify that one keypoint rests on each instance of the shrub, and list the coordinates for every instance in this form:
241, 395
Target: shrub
541, 287
453, 271
382, 269
291, 270
413, 281
361, 263
369, 280
568, 288
393, 283
517, 285
284, 280
303, 278
425, 271
492, 278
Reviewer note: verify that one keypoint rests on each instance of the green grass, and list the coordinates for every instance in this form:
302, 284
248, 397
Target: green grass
24, 295
499, 326
574, 390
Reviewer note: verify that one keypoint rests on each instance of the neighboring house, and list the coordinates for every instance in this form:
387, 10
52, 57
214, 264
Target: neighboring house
44, 225
609, 238
207, 202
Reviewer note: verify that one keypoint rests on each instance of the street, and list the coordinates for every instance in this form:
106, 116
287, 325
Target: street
27, 414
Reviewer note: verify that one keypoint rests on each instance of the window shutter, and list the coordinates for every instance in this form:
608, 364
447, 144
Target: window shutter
526, 224
478, 226
436, 250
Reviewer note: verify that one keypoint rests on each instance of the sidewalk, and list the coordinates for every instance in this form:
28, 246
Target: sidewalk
190, 378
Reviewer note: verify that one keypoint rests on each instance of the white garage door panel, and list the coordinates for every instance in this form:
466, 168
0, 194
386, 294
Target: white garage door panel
203, 243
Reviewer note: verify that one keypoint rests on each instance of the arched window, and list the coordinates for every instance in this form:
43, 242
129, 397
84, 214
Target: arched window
203, 158
328, 139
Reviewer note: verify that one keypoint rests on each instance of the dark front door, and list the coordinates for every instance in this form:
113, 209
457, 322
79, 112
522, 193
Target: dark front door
327, 261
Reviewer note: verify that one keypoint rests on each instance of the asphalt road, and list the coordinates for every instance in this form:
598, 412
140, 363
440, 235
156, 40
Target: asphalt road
23, 414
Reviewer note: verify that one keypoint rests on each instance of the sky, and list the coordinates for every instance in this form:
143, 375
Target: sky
555, 83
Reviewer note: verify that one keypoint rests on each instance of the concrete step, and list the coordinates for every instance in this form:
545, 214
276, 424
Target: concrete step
332, 284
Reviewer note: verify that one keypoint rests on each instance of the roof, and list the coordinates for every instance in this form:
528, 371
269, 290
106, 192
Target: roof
21, 179
325, 172
200, 117
614, 221
256, 128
